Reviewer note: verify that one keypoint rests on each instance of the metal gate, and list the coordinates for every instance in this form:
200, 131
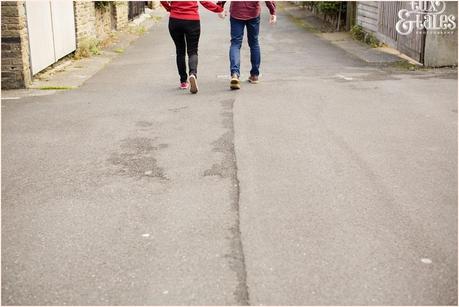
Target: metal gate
135, 9
51, 28
411, 44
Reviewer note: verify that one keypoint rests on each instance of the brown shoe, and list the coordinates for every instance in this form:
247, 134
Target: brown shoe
235, 84
253, 79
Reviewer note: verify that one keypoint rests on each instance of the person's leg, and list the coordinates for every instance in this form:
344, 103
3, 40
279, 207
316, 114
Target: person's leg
253, 29
178, 36
237, 34
192, 42
193, 31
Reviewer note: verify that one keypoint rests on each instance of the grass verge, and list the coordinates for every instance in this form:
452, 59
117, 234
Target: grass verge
54, 87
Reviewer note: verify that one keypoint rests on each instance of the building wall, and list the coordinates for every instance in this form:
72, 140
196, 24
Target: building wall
15, 46
97, 23
121, 14
153, 4
441, 49
85, 21
105, 21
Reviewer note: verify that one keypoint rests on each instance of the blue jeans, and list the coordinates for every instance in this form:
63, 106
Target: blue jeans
237, 34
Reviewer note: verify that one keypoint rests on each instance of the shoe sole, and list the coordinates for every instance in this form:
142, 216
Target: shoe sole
193, 85
253, 82
235, 85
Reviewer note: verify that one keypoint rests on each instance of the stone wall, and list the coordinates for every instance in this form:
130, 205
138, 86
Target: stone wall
153, 5
15, 46
85, 21
121, 11
93, 22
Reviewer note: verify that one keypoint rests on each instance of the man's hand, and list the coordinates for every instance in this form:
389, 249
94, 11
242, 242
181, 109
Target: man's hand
222, 15
272, 19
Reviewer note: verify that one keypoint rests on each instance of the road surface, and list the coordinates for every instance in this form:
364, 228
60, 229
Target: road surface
331, 182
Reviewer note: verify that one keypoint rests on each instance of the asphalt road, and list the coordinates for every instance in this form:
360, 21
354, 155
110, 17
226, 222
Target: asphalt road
330, 182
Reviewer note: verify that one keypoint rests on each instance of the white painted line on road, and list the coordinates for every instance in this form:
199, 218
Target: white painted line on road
165, 292
227, 76
10, 98
146, 235
345, 78
426, 260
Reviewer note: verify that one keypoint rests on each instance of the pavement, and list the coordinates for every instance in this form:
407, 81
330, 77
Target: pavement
331, 182
70, 73
371, 55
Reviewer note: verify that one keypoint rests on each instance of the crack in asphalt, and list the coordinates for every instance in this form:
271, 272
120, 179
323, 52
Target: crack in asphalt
242, 292
228, 169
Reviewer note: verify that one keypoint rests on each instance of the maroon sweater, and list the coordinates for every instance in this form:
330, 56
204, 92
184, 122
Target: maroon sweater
245, 10
188, 10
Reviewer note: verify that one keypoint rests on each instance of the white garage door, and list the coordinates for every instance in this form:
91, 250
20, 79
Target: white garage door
63, 27
51, 27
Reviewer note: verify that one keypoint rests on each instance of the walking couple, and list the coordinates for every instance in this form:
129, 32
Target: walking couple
185, 29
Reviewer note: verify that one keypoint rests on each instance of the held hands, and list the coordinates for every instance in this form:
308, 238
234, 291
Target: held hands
272, 19
222, 15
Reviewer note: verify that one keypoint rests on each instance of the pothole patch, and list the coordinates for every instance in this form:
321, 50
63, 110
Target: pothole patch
136, 158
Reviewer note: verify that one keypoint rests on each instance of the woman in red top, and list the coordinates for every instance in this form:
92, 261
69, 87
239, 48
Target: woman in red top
185, 29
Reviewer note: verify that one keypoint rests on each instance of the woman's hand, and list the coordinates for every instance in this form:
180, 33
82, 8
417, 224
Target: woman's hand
272, 19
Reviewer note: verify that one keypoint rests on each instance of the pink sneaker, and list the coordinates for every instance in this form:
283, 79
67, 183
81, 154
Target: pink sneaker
184, 85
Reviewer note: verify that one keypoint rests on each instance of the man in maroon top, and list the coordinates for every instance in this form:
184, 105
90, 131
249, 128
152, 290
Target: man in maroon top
246, 14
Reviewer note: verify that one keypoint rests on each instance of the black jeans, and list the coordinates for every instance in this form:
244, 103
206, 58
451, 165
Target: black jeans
185, 34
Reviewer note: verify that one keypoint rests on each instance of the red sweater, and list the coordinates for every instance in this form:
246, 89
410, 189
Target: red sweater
188, 10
